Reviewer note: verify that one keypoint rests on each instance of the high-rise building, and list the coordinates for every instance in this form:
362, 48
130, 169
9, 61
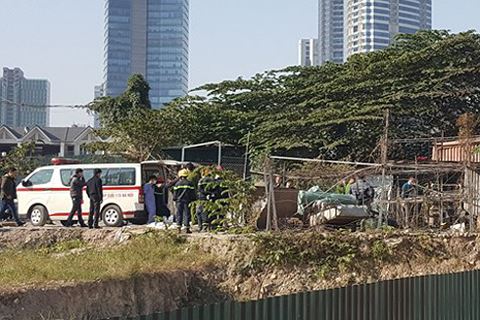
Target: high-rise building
99, 91
355, 26
23, 102
149, 37
372, 24
331, 31
308, 52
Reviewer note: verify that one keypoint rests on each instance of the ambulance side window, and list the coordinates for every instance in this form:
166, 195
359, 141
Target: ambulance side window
119, 177
127, 177
41, 177
88, 174
111, 177
66, 174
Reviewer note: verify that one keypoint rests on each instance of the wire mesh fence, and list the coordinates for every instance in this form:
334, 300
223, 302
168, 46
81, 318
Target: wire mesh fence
429, 195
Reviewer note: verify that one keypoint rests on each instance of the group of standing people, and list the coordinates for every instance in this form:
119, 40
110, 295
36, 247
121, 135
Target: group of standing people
95, 194
156, 198
8, 194
156, 192
185, 192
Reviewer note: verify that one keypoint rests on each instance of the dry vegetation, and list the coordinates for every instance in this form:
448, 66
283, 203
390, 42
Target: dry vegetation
77, 261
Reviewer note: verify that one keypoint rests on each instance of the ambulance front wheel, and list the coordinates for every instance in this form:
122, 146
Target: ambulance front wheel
112, 216
38, 216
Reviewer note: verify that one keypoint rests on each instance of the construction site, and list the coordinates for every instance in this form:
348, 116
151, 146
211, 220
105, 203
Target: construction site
435, 187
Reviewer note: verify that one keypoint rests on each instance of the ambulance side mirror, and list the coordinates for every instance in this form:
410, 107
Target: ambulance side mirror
26, 183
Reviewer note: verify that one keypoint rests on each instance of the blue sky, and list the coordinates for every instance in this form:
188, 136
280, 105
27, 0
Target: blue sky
62, 40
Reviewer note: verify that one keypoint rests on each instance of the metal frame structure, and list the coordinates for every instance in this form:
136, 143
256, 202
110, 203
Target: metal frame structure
205, 144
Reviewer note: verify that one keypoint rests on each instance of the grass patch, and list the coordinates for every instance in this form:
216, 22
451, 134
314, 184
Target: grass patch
78, 262
329, 254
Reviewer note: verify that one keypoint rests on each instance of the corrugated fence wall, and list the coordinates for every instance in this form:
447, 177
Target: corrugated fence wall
436, 297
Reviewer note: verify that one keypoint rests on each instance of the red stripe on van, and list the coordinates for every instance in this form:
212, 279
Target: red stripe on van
65, 214
110, 188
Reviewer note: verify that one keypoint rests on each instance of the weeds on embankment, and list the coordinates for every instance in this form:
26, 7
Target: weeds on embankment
327, 254
76, 261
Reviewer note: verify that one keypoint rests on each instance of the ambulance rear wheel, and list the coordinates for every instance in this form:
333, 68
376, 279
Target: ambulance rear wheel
38, 216
112, 216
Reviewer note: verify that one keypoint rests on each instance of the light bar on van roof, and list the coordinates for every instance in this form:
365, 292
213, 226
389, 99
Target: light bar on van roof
60, 161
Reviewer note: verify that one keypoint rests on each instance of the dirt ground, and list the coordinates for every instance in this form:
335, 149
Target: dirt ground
144, 294
248, 267
34, 237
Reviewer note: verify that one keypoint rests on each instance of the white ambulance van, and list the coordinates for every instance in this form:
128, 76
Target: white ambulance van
44, 195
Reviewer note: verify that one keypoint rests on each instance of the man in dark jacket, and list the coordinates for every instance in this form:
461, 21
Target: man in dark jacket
95, 193
161, 198
77, 182
183, 195
8, 194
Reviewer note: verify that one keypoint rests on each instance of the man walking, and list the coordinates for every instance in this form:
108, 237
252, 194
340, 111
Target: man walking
183, 195
95, 193
77, 182
8, 194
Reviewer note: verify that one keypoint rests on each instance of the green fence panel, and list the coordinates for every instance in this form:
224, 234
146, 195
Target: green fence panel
316, 307
455, 298
350, 304
371, 302
322, 310
474, 294
299, 313
328, 305
290, 307
335, 304
258, 310
343, 303
268, 309
434, 297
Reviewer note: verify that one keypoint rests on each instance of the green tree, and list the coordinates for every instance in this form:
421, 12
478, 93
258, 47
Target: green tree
426, 80
21, 157
129, 124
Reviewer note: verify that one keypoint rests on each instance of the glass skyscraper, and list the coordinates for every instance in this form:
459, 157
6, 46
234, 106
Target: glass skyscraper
149, 37
372, 24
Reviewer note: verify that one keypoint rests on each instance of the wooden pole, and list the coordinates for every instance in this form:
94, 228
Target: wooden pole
247, 151
267, 195
384, 160
273, 202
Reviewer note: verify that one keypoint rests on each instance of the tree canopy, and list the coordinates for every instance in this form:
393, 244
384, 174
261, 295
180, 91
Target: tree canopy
132, 127
426, 80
